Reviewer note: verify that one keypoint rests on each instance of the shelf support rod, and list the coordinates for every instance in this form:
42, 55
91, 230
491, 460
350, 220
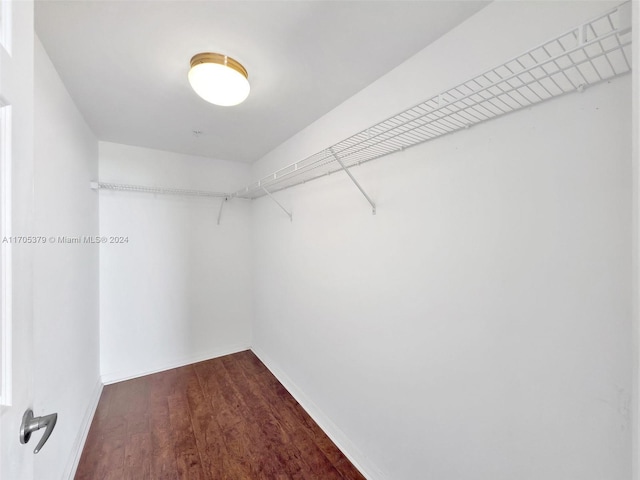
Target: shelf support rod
279, 204
224, 200
373, 205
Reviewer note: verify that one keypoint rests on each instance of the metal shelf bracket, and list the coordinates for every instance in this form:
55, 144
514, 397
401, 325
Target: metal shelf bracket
279, 204
373, 205
224, 200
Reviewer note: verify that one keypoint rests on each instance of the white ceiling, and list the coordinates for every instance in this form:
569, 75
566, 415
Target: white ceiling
125, 63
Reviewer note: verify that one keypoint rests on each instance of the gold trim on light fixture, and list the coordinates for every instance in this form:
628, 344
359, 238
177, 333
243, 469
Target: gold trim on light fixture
220, 59
219, 79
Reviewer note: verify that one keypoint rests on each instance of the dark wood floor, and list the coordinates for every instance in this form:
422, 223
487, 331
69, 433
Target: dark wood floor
226, 418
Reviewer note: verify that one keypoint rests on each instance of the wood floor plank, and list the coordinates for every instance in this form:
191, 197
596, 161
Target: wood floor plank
237, 460
111, 465
206, 430
163, 461
262, 442
241, 437
188, 461
223, 419
137, 464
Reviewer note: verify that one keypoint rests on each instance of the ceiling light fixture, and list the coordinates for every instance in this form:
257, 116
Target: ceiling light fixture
219, 79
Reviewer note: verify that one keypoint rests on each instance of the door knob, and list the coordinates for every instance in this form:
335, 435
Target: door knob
30, 424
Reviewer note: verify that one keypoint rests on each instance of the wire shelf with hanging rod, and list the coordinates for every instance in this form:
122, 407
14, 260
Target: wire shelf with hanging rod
164, 191
591, 53
157, 190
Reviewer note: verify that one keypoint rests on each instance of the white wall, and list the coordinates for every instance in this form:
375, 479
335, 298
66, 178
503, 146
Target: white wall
66, 288
478, 327
635, 400
180, 290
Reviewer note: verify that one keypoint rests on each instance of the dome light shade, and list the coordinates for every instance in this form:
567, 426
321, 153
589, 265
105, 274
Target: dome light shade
219, 79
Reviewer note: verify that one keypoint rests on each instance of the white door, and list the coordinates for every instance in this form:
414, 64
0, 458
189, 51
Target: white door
16, 94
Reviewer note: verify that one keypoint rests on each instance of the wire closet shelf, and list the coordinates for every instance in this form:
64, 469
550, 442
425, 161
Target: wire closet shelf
592, 53
157, 190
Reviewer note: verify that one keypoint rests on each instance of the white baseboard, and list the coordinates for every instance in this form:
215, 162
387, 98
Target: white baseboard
337, 436
76, 452
113, 377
